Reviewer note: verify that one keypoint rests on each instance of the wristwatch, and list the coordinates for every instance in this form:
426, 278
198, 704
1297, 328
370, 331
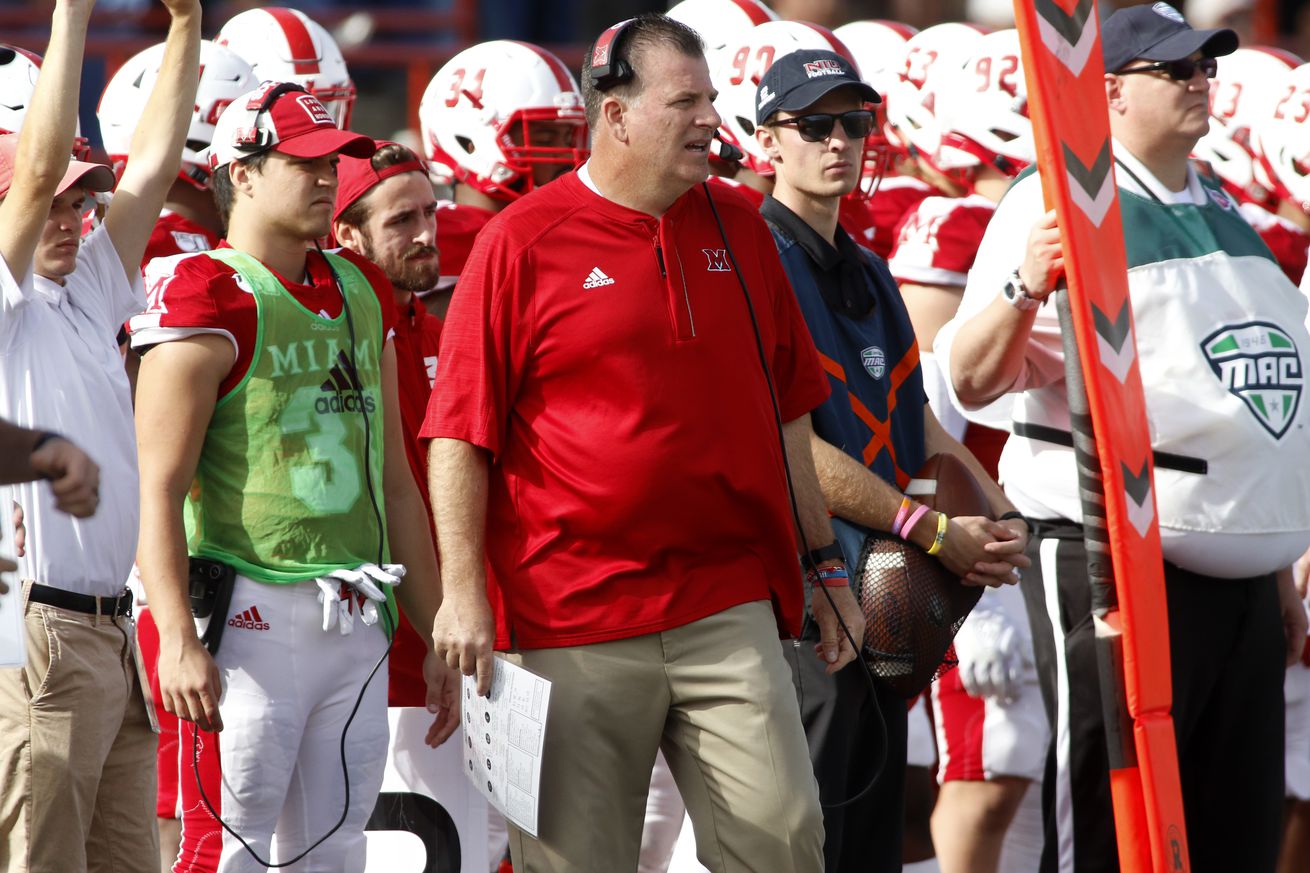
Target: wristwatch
1016, 294
830, 552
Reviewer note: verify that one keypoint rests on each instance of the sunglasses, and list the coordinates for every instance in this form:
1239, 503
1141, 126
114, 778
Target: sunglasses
1180, 70
858, 123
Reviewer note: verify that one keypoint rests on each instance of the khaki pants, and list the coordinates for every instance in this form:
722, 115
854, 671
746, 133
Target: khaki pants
717, 696
77, 755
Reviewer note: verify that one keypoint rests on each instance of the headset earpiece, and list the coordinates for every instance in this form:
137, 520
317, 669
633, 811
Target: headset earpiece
254, 139
607, 70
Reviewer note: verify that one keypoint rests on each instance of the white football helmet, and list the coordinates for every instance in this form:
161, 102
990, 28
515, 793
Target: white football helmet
741, 68
1244, 89
286, 45
878, 48
932, 52
720, 22
981, 110
483, 116
223, 77
1282, 139
879, 51
18, 71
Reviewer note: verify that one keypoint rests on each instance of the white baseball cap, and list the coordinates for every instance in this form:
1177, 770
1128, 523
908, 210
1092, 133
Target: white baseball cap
282, 117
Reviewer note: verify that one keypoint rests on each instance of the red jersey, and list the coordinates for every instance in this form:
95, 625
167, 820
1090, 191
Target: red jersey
605, 360
1288, 242
417, 334
175, 235
938, 239
190, 294
895, 197
457, 226
855, 217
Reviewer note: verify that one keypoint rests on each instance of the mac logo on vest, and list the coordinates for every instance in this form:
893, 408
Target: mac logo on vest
875, 362
1258, 362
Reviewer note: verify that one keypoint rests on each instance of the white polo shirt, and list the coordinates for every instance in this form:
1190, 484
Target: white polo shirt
60, 370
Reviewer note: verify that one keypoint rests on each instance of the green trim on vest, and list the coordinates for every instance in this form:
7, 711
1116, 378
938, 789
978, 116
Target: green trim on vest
280, 493
1155, 232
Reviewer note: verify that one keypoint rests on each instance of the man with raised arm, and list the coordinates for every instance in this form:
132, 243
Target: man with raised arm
77, 755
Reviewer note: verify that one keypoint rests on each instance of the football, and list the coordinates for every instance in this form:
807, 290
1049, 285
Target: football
912, 605
945, 484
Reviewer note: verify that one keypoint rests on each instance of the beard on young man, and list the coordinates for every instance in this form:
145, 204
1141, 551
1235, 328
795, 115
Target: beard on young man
415, 270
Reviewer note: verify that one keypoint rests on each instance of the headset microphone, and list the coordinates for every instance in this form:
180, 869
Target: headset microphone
725, 150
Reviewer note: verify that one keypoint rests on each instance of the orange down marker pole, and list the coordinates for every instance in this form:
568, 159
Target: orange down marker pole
1066, 93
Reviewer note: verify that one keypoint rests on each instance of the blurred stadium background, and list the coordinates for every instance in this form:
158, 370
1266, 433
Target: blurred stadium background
393, 47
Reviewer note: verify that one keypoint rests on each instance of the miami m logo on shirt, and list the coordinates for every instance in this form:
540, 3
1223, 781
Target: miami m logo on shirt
718, 259
1258, 362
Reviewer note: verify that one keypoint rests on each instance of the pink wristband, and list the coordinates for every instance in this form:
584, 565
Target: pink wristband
900, 516
912, 521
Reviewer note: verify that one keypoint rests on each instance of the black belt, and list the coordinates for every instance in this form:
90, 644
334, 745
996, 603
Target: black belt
71, 600
1163, 460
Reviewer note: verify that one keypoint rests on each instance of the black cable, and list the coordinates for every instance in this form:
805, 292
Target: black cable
812, 569
386, 614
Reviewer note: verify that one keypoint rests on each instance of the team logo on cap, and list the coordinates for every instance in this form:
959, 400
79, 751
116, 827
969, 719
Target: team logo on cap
1258, 362
814, 69
765, 96
875, 361
316, 111
1164, 10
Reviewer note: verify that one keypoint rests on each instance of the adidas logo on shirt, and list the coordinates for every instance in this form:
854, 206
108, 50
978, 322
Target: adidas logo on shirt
249, 620
342, 391
596, 278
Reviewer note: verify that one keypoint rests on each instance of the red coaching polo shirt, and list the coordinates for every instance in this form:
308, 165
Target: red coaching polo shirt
606, 360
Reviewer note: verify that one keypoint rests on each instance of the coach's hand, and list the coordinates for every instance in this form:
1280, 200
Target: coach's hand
1043, 261
464, 633
442, 699
189, 683
834, 647
74, 477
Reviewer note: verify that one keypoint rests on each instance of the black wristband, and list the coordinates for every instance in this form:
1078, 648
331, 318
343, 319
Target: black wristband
830, 552
1019, 515
45, 437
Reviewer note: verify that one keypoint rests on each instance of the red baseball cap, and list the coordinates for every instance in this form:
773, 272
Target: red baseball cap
356, 176
284, 118
94, 177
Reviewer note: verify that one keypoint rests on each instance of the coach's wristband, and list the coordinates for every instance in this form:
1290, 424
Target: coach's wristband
940, 539
834, 577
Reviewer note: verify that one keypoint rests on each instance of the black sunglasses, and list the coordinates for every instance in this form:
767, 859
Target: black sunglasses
1180, 70
858, 123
